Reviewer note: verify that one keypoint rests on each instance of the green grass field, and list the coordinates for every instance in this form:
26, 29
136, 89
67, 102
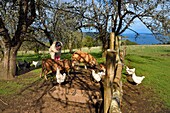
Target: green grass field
150, 61
153, 63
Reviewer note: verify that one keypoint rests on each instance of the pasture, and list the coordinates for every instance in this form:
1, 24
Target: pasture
152, 61
28, 91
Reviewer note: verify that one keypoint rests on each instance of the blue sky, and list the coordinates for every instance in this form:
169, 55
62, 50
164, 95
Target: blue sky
138, 26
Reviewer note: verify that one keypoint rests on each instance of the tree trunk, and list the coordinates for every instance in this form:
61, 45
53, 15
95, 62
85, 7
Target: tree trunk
70, 45
105, 45
13, 59
8, 67
104, 50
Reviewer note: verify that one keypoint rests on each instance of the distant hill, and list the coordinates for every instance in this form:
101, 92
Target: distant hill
91, 34
142, 38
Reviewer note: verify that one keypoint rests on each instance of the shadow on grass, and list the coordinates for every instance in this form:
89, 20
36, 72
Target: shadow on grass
24, 71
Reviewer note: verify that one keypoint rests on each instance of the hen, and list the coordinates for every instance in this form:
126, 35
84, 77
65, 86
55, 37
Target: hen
97, 76
130, 71
60, 77
137, 79
36, 63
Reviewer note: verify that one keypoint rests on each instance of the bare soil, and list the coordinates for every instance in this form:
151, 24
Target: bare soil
39, 97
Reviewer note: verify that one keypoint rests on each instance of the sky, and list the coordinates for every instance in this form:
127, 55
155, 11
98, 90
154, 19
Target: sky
138, 26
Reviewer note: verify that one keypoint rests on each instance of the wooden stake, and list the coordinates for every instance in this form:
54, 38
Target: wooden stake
118, 73
112, 41
110, 67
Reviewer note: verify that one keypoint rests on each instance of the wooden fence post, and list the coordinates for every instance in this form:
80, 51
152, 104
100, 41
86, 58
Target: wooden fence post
111, 59
110, 67
112, 41
116, 87
112, 87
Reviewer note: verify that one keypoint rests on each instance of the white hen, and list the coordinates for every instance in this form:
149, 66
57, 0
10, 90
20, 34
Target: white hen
130, 71
36, 63
60, 77
102, 73
137, 79
97, 76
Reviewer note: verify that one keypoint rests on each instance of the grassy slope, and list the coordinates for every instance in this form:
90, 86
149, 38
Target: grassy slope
152, 62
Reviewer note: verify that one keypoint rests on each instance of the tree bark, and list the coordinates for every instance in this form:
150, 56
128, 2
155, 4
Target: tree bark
8, 67
5, 65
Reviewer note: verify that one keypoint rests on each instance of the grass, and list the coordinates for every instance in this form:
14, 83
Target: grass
32, 56
9, 87
14, 86
152, 62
